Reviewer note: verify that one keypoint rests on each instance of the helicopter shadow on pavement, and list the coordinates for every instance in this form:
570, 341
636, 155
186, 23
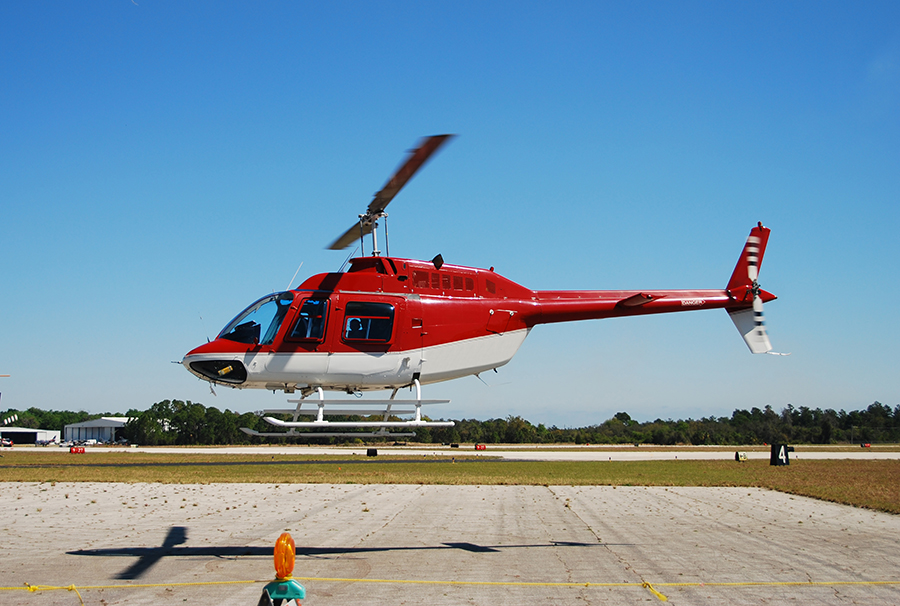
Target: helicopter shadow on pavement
174, 546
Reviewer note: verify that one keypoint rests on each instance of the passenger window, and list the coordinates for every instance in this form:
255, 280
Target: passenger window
457, 283
470, 284
311, 320
435, 281
368, 321
445, 282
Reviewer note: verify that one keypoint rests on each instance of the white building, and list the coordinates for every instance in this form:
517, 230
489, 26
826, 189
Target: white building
26, 435
102, 429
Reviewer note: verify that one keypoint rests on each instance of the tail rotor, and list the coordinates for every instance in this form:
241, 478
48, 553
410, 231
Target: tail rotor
744, 285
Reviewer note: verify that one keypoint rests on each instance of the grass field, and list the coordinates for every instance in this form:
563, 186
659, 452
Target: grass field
873, 484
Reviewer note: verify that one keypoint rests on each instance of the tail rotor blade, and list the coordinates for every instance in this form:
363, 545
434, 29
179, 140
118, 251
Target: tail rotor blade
749, 320
747, 268
758, 317
759, 321
753, 258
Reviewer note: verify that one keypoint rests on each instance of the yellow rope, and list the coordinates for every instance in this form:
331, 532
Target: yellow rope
645, 585
649, 588
34, 588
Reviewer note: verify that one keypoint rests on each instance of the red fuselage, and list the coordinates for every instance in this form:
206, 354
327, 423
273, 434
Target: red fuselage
387, 322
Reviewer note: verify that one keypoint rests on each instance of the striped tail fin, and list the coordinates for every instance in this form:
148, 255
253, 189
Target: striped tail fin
743, 285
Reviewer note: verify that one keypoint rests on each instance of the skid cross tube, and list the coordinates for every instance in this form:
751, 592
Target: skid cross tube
323, 408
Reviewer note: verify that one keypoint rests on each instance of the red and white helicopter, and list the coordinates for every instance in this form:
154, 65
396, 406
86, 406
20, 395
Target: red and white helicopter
388, 323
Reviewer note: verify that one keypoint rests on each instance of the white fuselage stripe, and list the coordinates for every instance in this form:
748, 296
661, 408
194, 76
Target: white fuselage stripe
362, 370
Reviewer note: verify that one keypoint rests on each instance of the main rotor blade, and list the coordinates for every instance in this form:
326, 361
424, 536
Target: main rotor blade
350, 236
414, 162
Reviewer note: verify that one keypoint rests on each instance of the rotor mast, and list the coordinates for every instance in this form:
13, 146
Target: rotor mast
368, 221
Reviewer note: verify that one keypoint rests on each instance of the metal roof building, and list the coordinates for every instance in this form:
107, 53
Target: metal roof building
102, 429
27, 435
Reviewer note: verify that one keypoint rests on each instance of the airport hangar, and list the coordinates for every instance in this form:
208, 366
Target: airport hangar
102, 429
27, 435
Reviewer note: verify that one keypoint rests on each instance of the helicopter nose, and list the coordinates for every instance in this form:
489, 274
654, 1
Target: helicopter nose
220, 371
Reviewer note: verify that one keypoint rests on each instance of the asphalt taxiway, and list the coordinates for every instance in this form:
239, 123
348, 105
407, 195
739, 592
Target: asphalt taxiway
525, 452
412, 544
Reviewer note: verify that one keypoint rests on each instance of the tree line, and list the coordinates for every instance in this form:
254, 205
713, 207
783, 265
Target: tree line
177, 422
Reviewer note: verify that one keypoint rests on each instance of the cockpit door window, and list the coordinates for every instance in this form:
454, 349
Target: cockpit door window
310, 324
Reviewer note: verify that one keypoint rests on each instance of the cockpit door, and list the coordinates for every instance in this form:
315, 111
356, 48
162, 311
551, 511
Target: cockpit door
300, 354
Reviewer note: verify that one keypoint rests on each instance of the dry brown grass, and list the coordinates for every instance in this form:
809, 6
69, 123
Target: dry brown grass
863, 483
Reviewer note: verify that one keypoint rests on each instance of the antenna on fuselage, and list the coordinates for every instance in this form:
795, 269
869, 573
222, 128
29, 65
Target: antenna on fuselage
347, 260
295, 276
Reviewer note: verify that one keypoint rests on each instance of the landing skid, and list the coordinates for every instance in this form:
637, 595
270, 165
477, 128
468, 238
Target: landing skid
322, 408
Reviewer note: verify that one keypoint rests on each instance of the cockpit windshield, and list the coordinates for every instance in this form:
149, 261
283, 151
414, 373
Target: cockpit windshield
259, 323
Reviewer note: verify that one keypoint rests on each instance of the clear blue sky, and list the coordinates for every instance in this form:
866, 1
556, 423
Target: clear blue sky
163, 162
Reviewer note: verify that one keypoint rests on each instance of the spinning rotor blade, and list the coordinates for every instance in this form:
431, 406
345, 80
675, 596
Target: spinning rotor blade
760, 336
750, 322
350, 236
753, 257
746, 272
413, 163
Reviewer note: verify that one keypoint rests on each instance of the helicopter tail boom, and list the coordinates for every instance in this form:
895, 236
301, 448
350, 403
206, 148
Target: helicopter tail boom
743, 299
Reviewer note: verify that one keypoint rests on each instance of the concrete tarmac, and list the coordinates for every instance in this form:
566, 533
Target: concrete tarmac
412, 544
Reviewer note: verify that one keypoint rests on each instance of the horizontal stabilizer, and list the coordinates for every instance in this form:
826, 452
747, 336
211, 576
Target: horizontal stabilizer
636, 300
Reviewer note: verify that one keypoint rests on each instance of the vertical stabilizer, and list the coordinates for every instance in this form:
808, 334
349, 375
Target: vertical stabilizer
747, 269
744, 286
